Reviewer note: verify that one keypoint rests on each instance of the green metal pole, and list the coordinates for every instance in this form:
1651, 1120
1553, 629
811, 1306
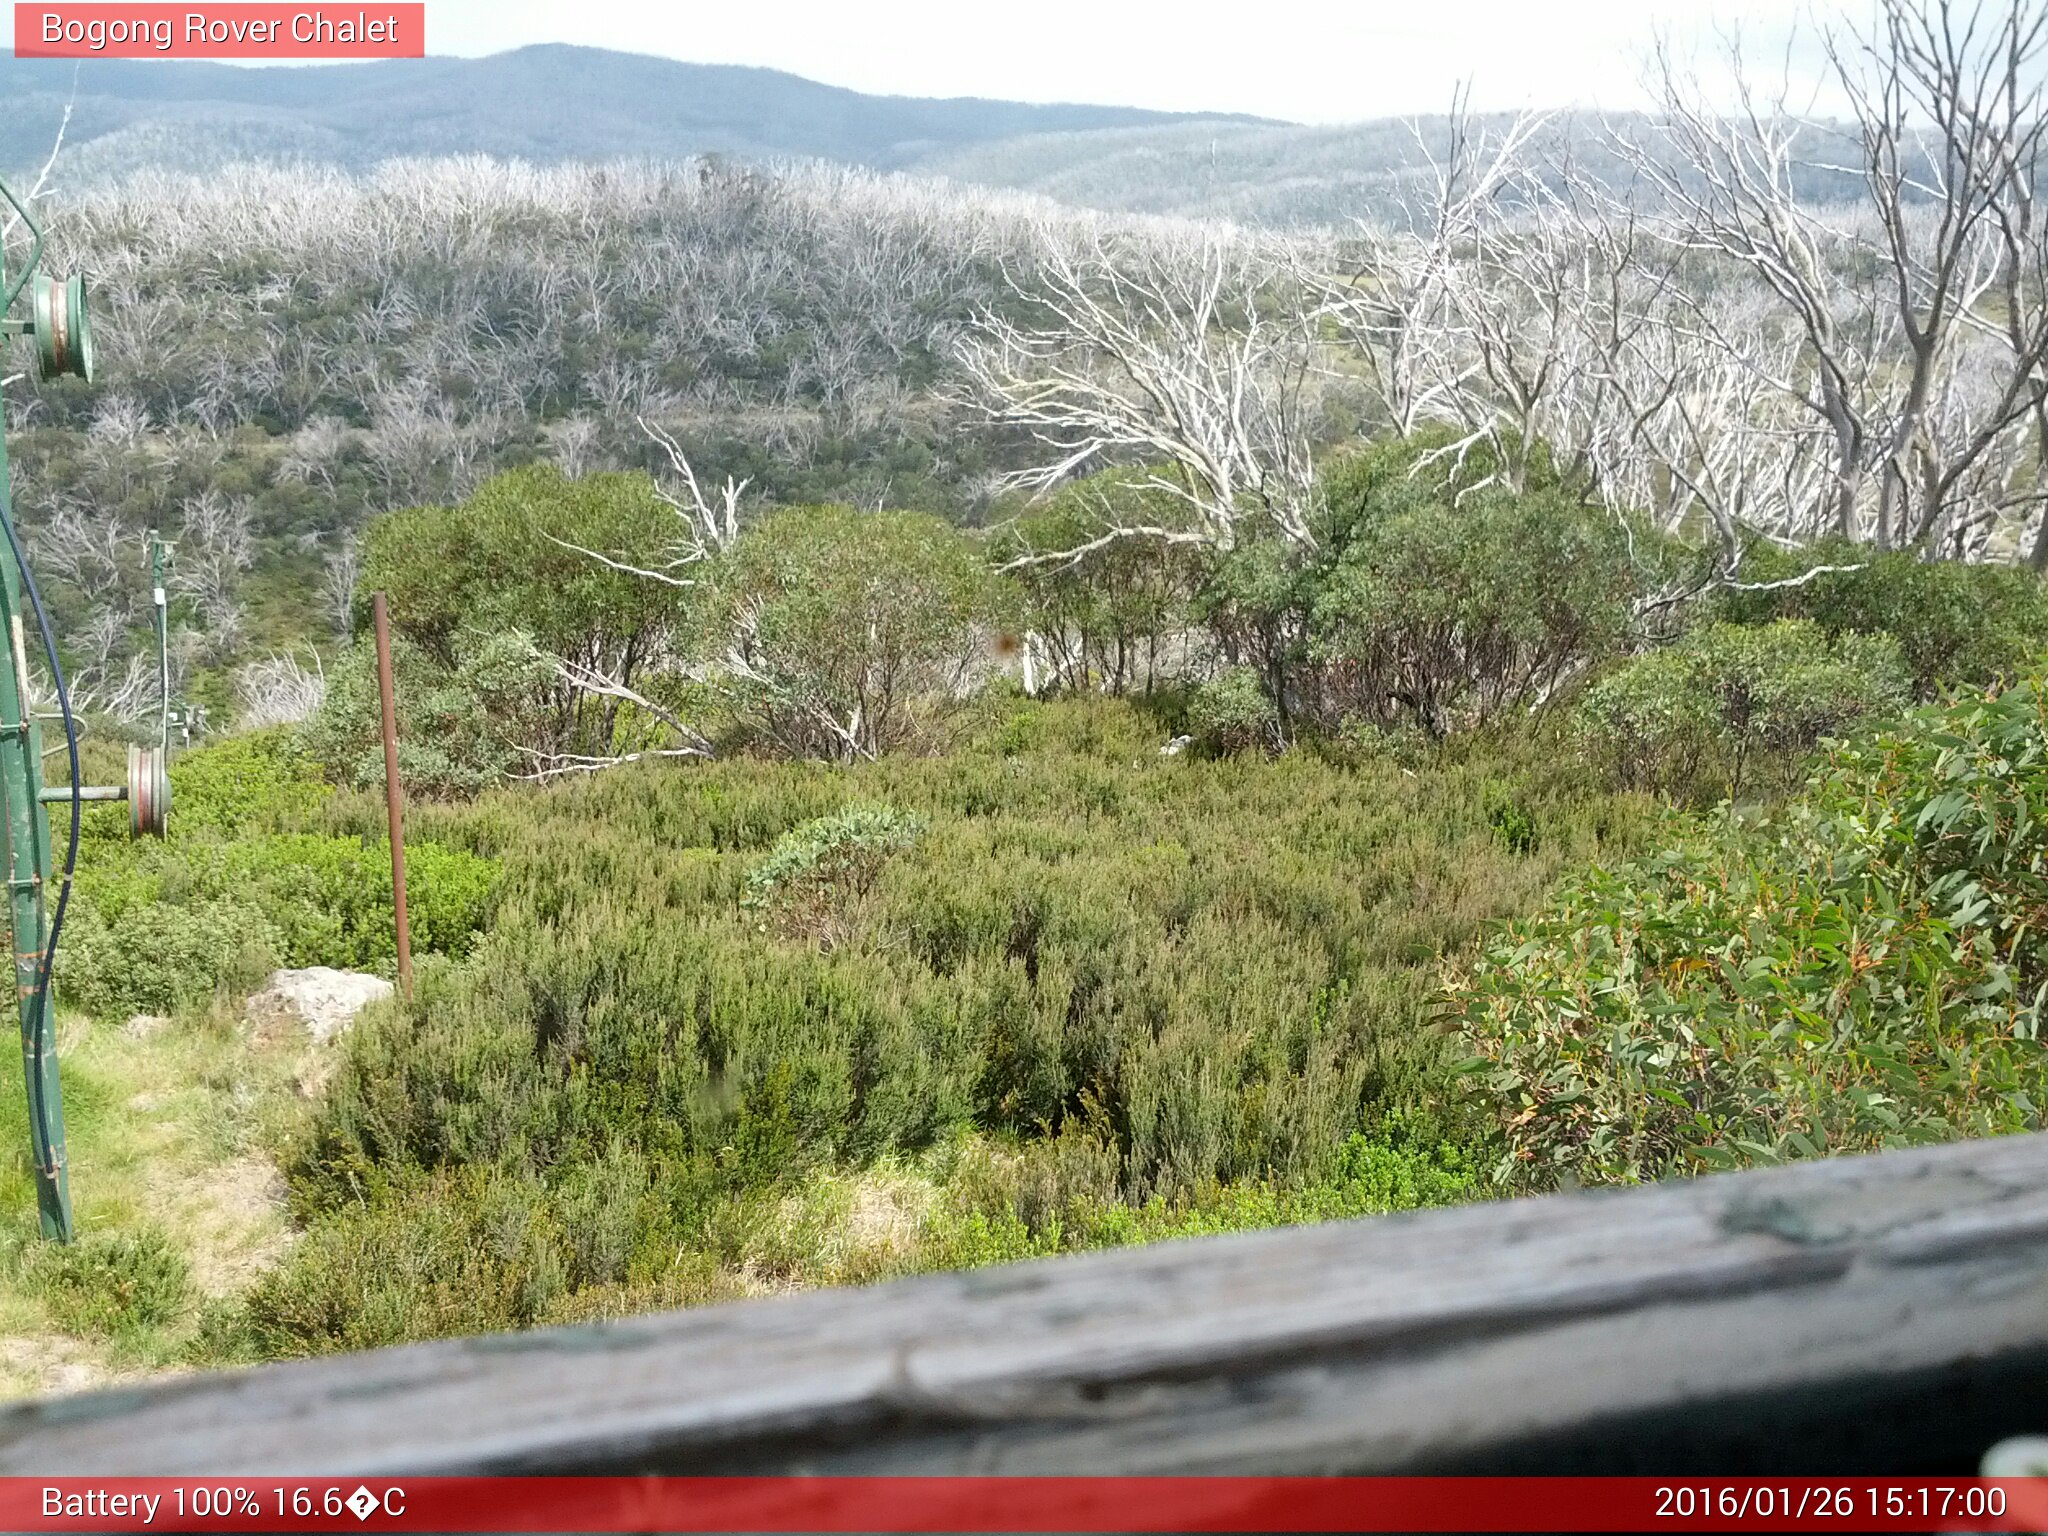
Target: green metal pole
25, 830
63, 335
163, 642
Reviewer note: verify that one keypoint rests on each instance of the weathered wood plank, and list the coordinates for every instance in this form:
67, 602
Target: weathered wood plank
1834, 1291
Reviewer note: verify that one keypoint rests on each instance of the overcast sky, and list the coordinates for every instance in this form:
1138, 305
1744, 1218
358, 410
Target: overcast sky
1307, 60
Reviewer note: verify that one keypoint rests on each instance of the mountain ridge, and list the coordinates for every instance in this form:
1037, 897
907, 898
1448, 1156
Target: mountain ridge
546, 102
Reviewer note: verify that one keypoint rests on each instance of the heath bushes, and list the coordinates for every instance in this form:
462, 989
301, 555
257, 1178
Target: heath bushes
109, 1284
1732, 707
1231, 713
1955, 624
231, 894
1185, 978
1865, 970
464, 1253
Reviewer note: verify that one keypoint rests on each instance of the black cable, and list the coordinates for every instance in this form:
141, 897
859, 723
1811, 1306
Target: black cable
42, 994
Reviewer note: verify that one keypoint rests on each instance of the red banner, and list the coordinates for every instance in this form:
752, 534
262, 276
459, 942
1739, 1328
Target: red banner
1024, 1504
241, 31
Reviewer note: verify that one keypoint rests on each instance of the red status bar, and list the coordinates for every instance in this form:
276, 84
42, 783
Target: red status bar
1024, 1504
237, 31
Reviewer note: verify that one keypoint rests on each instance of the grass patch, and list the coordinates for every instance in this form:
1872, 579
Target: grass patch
172, 1132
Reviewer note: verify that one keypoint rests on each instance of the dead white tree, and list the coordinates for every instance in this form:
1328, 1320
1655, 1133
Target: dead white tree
279, 690
1188, 356
706, 527
591, 683
315, 451
215, 546
39, 188
1413, 300
1948, 110
94, 556
338, 575
1945, 141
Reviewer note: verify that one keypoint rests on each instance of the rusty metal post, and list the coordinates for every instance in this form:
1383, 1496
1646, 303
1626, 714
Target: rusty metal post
393, 801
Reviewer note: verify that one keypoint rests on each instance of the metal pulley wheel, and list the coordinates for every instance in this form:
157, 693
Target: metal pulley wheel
63, 329
149, 792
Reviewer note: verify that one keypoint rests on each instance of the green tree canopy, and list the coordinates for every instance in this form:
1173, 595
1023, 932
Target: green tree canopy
1957, 624
1101, 595
519, 557
847, 632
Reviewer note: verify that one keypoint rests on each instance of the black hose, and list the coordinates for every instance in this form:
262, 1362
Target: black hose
42, 993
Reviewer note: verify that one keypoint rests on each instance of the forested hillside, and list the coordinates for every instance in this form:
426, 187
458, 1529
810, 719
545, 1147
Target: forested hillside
940, 726
557, 105
296, 351
543, 103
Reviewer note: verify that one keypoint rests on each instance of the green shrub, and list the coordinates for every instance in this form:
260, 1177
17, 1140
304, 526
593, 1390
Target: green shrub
814, 870
474, 588
1956, 624
854, 631
237, 785
155, 924
181, 919
1448, 613
1446, 587
460, 728
1255, 603
1511, 820
1232, 713
238, 889
114, 1284
151, 957
1865, 970
463, 1253
1061, 1194
1730, 705
330, 897
1225, 958
1110, 617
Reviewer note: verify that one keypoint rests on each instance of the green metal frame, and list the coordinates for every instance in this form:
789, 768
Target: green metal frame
25, 832
160, 605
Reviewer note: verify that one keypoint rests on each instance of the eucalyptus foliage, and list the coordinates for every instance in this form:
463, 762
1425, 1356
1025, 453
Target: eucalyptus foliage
1108, 589
814, 871
461, 728
1865, 969
521, 558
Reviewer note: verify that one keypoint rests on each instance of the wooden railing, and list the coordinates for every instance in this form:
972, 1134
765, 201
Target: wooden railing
1874, 1314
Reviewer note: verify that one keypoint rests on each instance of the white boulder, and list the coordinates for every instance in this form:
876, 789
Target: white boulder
318, 1000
